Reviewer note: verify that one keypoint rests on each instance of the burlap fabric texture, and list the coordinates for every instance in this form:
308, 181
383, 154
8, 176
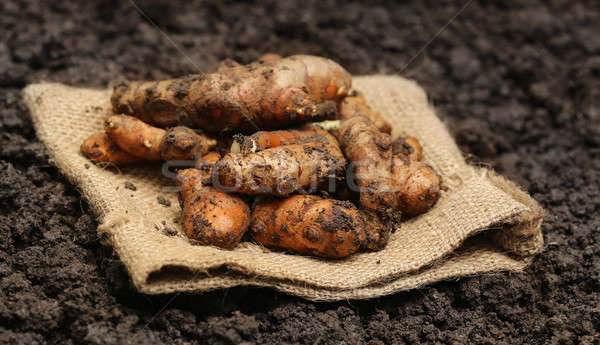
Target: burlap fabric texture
482, 223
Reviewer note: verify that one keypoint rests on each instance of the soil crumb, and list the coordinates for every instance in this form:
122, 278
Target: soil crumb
163, 201
130, 186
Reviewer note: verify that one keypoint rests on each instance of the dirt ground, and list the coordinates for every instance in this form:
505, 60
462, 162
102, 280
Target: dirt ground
518, 85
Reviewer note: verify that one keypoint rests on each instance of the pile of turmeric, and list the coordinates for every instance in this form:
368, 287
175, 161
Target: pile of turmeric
327, 189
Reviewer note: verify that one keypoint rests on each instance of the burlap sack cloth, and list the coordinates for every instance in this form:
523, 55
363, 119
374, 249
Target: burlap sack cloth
482, 223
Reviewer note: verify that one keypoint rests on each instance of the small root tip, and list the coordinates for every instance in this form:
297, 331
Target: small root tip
235, 147
328, 125
147, 143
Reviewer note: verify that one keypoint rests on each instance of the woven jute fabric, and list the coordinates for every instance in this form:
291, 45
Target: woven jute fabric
482, 222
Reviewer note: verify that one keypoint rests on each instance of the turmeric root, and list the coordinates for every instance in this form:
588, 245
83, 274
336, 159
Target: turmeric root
134, 136
281, 170
370, 153
390, 176
151, 143
285, 91
308, 224
356, 105
263, 140
101, 150
416, 185
211, 217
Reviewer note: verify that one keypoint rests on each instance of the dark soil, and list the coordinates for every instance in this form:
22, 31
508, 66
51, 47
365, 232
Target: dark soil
518, 84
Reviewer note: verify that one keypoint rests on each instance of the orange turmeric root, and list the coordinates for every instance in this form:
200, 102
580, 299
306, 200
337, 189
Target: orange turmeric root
151, 143
356, 105
101, 150
134, 136
390, 176
285, 91
281, 170
417, 186
308, 224
263, 140
370, 153
211, 217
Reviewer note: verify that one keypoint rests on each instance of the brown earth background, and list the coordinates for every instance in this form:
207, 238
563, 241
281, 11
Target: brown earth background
518, 84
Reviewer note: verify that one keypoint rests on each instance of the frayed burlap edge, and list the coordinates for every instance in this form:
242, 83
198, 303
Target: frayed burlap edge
443, 244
